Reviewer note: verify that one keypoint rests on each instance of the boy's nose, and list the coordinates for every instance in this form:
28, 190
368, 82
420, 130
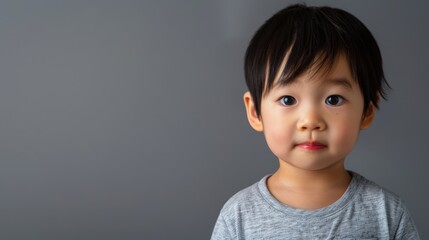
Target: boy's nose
311, 121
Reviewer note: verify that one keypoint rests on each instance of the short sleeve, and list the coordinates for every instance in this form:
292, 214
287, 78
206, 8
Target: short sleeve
220, 231
406, 228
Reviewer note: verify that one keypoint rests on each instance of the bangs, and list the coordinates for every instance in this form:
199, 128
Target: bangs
315, 45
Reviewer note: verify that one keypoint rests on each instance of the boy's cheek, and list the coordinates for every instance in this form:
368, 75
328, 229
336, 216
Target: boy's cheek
345, 139
278, 139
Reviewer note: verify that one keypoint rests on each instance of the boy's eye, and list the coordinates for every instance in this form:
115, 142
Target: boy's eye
334, 100
287, 100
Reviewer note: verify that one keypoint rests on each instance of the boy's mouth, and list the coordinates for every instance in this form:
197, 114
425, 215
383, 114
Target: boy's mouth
311, 146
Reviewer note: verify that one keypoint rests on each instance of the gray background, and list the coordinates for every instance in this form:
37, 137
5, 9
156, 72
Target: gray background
124, 119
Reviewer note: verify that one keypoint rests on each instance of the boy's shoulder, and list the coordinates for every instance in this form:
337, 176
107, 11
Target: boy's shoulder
376, 195
371, 189
245, 199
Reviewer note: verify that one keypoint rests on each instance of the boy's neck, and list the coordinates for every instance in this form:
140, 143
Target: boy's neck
302, 179
309, 189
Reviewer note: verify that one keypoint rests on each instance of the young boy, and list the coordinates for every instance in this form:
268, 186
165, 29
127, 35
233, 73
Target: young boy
315, 78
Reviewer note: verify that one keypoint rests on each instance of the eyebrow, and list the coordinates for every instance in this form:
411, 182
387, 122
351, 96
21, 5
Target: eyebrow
341, 82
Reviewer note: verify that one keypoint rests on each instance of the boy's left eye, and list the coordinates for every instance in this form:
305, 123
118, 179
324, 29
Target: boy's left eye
334, 100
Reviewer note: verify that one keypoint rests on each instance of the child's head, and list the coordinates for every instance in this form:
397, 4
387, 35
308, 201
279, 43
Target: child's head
314, 76
300, 38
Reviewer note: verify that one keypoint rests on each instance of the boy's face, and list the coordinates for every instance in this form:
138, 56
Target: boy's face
312, 123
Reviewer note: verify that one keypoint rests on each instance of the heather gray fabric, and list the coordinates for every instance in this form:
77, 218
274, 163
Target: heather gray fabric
365, 211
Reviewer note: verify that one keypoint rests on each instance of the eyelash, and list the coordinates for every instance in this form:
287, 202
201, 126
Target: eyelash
289, 100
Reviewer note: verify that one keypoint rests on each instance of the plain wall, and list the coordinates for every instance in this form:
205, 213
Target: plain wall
124, 119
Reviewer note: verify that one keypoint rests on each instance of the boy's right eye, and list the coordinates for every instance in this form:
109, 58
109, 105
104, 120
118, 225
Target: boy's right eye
287, 100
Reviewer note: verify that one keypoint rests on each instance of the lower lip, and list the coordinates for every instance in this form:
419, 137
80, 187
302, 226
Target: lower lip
311, 147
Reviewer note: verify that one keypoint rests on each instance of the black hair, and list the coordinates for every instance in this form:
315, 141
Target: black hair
309, 36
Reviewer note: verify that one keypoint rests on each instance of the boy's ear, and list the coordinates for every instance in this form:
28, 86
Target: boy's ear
254, 120
368, 117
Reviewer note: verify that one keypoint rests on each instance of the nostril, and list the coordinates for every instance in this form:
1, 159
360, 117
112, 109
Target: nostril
310, 125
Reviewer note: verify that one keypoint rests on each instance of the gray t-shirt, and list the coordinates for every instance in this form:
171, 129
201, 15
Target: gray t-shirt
365, 211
